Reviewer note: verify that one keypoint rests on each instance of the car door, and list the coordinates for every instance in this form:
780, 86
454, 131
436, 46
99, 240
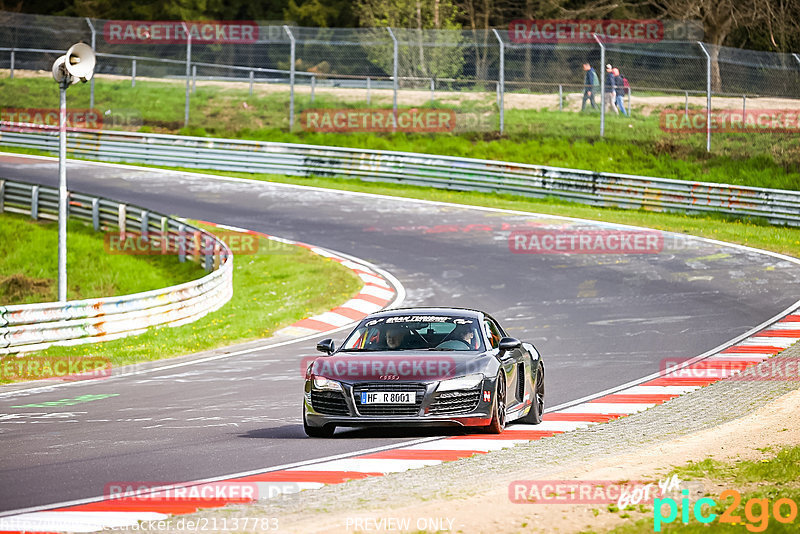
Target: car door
512, 363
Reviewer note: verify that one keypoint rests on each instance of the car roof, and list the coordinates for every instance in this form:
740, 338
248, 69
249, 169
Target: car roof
456, 312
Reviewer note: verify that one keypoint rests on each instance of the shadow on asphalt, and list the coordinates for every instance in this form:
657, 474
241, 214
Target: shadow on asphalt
296, 432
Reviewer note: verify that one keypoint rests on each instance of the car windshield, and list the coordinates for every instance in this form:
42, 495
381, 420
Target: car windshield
415, 332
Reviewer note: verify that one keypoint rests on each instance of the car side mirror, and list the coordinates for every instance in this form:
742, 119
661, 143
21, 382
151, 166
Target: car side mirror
509, 343
326, 345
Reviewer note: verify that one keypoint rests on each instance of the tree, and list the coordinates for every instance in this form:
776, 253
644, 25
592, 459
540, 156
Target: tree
423, 50
721, 18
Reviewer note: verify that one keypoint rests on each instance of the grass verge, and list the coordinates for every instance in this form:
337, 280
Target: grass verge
29, 264
275, 287
564, 139
751, 496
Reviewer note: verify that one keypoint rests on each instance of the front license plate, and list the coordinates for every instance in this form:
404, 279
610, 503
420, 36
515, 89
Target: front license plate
389, 397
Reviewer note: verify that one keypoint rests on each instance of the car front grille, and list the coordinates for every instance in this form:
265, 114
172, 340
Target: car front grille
388, 409
329, 402
455, 402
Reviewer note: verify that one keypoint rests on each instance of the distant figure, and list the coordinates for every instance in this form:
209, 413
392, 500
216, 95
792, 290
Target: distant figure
619, 88
610, 90
591, 86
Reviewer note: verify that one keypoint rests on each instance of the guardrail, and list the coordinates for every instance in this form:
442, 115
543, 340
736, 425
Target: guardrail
465, 174
30, 327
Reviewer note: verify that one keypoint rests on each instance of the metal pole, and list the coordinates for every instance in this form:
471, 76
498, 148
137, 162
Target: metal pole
560, 97
94, 38
686, 108
708, 96
744, 106
291, 77
433, 88
368, 90
12, 63
630, 113
194, 78
502, 78
395, 57
313, 85
252, 76
797, 58
133, 73
188, 73
602, 86
62, 193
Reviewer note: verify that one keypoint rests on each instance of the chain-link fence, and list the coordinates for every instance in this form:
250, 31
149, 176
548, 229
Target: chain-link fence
379, 79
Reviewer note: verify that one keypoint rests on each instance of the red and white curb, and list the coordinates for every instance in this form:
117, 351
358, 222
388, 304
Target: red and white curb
376, 294
767, 341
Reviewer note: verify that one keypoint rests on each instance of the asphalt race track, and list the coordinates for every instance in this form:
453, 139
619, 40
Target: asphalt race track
600, 320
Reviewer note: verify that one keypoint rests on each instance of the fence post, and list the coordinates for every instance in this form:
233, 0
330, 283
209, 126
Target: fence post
502, 78
164, 235
744, 106
2, 195
708, 95
181, 243
560, 97
133, 73
602, 85
194, 78
144, 225
686, 108
313, 85
433, 88
395, 57
291, 76
12, 63
368, 90
35, 203
122, 219
630, 113
94, 38
208, 253
188, 73
252, 76
96, 214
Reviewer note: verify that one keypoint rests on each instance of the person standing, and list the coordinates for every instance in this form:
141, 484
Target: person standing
591, 86
610, 90
619, 89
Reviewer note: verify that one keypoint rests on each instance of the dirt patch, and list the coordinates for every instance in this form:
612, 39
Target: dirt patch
18, 288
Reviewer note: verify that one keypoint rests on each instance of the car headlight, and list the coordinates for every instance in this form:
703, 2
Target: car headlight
462, 382
320, 382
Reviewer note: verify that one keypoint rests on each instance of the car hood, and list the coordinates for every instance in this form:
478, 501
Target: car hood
420, 366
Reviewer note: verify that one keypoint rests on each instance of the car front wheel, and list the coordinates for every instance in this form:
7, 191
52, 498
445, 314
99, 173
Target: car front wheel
498, 423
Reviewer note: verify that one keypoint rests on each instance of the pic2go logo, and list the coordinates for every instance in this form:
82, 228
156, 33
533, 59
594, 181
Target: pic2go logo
756, 511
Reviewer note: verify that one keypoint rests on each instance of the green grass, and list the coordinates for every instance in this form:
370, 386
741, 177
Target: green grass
562, 139
772, 478
278, 286
29, 264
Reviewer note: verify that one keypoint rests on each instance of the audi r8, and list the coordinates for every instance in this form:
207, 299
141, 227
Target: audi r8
424, 367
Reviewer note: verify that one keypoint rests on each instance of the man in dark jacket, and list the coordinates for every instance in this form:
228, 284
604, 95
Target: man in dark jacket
610, 90
591, 86
619, 89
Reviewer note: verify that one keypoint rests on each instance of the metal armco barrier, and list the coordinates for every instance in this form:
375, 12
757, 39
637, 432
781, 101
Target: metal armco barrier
445, 172
30, 327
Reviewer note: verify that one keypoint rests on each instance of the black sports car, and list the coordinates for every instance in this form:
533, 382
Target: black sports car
424, 367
